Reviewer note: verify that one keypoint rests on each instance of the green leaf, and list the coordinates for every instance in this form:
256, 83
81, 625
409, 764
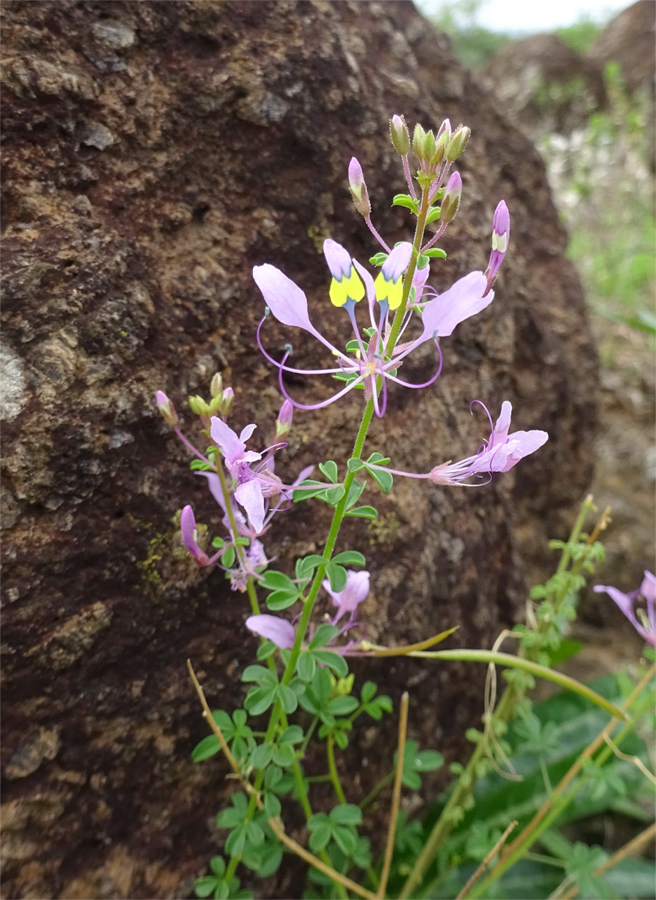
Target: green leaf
230, 818
209, 746
377, 260
305, 666
259, 700
259, 674
234, 845
363, 512
368, 691
435, 253
281, 600
228, 558
407, 201
433, 214
342, 706
345, 839
323, 635
329, 469
428, 760
346, 814
265, 650
254, 833
384, 478
355, 492
307, 564
288, 698
319, 837
271, 859
337, 576
218, 866
278, 581
350, 558
334, 661
354, 465
322, 687
272, 805
262, 756
293, 734
205, 886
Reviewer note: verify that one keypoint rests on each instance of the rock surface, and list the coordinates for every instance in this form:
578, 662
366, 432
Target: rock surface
544, 85
153, 153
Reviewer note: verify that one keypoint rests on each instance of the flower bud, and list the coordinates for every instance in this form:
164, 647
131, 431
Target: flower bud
216, 385
429, 146
400, 135
418, 138
199, 406
166, 408
500, 241
227, 401
190, 536
358, 188
451, 200
440, 148
445, 127
458, 142
284, 420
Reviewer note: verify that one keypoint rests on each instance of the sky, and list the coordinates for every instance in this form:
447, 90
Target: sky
535, 15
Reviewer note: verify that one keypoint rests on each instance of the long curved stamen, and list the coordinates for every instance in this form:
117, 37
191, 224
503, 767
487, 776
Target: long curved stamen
383, 406
350, 309
430, 381
337, 396
279, 365
487, 413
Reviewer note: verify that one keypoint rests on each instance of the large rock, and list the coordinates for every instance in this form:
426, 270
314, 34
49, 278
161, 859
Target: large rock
153, 153
544, 85
628, 40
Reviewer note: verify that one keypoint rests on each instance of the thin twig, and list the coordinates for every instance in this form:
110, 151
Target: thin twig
632, 759
486, 862
275, 824
633, 848
396, 796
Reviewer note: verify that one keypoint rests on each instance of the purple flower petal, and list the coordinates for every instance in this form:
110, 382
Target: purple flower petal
464, 299
225, 438
189, 536
648, 587
397, 262
249, 495
279, 631
338, 259
286, 300
348, 600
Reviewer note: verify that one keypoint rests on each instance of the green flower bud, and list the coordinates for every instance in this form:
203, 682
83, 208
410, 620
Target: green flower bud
457, 143
216, 385
400, 135
199, 406
429, 146
418, 138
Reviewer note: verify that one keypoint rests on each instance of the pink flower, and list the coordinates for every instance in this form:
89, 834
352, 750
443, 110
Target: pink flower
637, 606
348, 600
190, 536
500, 453
273, 628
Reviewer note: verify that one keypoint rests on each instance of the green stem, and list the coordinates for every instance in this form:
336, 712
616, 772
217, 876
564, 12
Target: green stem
526, 665
376, 789
332, 768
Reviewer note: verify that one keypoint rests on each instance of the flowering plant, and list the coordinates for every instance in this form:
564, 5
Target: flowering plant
301, 668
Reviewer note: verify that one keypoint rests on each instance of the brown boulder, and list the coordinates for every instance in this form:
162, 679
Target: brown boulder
544, 85
153, 153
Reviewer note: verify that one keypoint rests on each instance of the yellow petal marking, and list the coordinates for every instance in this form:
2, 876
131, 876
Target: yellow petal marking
350, 287
389, 290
